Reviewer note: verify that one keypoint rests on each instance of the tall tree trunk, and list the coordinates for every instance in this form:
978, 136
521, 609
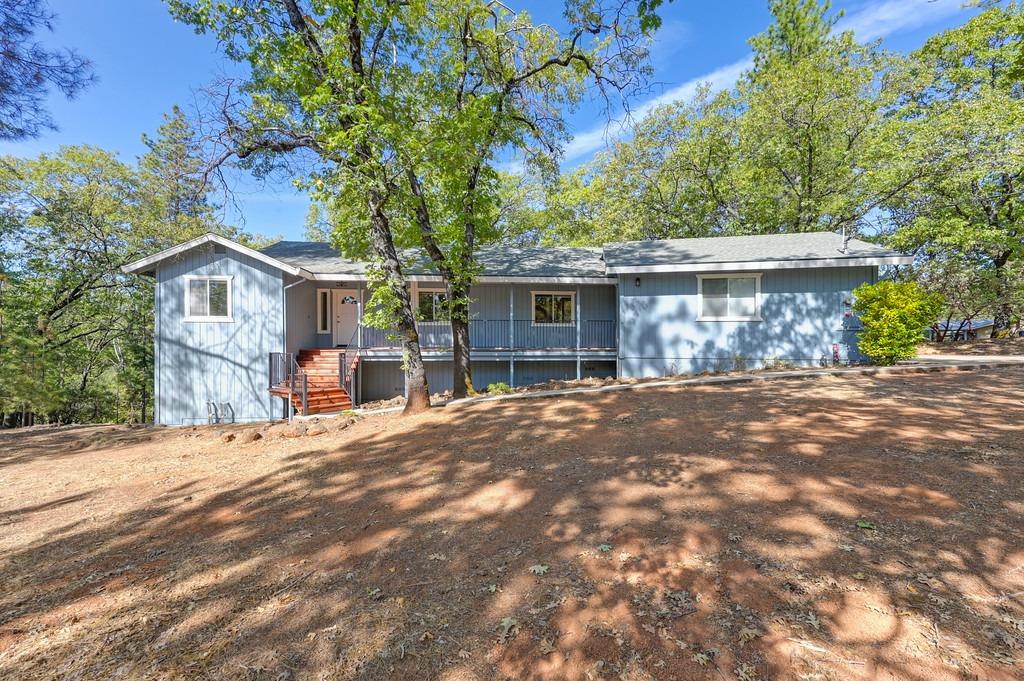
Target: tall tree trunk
1004, 311
456, 287
417, 392
462, 372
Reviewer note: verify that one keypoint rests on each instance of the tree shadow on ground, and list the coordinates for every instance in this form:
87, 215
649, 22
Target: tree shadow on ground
26, 445
678, 533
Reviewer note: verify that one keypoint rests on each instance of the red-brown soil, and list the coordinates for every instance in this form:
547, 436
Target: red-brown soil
683, 533
982, 346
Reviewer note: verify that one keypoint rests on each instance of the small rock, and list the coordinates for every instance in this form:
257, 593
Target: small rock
227, 437
316, 429
287, 430
249, 436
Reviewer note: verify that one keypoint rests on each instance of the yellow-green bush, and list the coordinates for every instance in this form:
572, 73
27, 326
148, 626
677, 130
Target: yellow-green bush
894, 314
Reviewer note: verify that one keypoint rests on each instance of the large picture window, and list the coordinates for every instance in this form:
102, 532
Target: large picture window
553, 307
725, 298
432, 306
208, 299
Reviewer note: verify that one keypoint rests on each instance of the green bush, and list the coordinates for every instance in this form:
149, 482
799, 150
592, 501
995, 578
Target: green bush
499, 389
894, 315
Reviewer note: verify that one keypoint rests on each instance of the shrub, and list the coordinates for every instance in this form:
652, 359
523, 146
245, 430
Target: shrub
499, 388
894, 316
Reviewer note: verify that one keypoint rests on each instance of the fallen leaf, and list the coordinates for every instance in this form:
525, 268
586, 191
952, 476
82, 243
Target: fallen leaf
509, 628
540, 569
748, 634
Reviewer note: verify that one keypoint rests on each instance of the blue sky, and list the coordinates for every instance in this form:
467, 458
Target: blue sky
146, 63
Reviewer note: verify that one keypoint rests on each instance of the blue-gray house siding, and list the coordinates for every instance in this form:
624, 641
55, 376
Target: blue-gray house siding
804, 313
222, 362
634, 316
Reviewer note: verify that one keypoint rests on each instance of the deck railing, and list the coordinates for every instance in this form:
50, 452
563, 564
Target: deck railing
285, 373
505, 334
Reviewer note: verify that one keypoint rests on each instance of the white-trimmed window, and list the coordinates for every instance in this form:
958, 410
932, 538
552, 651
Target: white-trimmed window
729, 298
554, 307
431, 305
323, 310
207, 299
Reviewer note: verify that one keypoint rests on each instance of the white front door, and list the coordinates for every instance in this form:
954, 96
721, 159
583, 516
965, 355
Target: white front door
345, 304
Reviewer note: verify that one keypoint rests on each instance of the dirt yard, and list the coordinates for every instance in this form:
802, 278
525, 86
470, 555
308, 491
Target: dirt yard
834, 528
982, 346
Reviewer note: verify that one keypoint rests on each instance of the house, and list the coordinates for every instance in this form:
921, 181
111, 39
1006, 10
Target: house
240, 332
960, 329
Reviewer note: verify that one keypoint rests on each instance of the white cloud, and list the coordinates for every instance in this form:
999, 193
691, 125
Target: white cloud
879, 20
870, 22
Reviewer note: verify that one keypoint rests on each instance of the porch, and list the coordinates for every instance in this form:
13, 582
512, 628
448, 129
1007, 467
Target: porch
505, 318
551, 333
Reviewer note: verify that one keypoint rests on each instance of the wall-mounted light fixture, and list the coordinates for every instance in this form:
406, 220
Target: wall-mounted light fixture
637, 282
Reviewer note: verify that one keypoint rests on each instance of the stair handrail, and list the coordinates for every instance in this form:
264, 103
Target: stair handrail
285, 371
299, 375
347, 379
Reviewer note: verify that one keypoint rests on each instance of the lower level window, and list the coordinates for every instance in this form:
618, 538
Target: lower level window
729, 298
432, 306
208, 299
553, 308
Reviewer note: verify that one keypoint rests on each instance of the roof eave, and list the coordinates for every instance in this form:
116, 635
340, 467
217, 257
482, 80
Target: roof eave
148, 264
482, 279
745, 265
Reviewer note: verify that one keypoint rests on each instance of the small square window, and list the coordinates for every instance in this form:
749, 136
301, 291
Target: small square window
208, 299
432, 306
553, 308
729, 298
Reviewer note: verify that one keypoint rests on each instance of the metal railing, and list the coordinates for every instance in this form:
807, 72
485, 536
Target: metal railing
347, 359
285, 373
504, 334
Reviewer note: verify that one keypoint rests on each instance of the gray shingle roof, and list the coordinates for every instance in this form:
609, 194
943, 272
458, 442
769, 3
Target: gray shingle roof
314, 256
722, 249
506, 261
497, 261
538, 262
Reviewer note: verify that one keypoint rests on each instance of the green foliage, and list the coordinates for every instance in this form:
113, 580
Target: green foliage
801, 29
961, 119
894, 315
75, 332
800, 144
499, 388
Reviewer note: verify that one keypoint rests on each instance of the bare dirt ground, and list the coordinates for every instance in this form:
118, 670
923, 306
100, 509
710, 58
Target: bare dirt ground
836, 528
982, 346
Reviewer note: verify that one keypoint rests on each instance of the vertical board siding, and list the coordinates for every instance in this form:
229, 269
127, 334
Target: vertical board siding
223, 362
301, 325
804, 313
